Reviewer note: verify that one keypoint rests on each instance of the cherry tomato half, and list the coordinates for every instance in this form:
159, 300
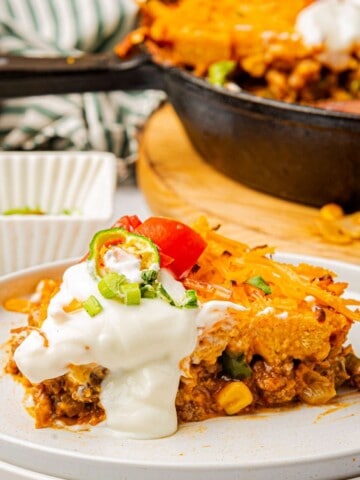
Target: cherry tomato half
175, 240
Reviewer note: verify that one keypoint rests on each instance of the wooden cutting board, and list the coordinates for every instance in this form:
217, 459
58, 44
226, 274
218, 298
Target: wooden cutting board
177, 182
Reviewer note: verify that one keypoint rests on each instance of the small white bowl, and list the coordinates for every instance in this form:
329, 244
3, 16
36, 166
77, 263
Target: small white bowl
79, 183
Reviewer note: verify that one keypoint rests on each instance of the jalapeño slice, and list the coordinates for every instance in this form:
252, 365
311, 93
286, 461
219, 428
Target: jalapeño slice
132, 243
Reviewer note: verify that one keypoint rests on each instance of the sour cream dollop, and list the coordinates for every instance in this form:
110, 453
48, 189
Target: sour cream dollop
141, 346
334, 24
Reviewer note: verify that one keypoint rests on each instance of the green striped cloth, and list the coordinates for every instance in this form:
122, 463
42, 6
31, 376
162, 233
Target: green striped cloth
91, 121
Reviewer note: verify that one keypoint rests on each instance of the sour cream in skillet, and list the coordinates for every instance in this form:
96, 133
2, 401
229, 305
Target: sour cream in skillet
140, 345
334, 24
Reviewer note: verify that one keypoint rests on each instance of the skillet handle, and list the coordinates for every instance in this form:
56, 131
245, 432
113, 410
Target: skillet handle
26, 76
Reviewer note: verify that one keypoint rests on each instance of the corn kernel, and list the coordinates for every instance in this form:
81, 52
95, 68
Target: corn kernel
234, 397
331, 231
331, 211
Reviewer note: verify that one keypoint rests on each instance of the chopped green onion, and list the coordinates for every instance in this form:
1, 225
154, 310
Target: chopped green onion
191, 300
235, 365
105, 290
24, 211
219, 71
110, 285
259, 282
131, 293
163, 295
92, 306
148, 291
149, 276
68, 211
115, 285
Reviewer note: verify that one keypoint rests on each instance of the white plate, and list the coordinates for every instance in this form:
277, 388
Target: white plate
11, 472
300, 443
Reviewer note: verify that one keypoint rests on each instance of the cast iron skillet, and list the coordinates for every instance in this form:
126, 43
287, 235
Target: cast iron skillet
300, 153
